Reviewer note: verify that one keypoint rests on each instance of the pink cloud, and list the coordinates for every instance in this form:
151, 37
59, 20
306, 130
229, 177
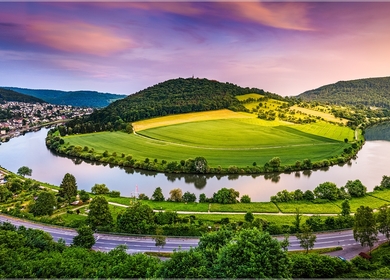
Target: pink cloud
280, 15
77, 37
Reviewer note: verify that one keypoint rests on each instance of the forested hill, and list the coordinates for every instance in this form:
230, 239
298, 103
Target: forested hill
369, 92
81, 98
166, 98
10, 95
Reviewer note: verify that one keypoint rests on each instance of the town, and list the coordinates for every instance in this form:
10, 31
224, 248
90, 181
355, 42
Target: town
17, 118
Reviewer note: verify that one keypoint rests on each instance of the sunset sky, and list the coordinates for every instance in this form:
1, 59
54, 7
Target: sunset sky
123, 47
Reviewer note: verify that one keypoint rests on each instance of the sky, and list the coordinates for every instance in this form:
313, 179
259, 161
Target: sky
123, 47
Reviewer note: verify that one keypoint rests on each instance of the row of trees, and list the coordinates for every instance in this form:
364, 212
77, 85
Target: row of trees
223, 196
324, 191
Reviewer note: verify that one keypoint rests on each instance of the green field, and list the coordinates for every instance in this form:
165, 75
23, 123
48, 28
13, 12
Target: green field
239, 139
255, 207
367, 200
309, 207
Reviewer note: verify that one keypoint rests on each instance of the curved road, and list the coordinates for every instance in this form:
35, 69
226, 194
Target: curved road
107, 242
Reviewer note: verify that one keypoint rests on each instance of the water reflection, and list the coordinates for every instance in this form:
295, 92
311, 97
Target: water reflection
31, 151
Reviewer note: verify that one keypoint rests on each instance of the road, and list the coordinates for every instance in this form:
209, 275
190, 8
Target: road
107, 242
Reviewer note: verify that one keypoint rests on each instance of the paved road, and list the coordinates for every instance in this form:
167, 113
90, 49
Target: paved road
107, 242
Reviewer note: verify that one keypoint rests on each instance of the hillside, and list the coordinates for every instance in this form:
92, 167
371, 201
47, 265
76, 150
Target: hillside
81, 98
167, 98
10, 95
373, 92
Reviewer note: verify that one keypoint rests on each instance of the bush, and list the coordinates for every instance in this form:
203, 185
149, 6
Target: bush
114, 193
361, 263
245, 199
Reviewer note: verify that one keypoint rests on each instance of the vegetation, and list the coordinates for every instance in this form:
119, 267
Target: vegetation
10, 95
24, 170
80, 98
365, 229
68, 188
250, 253
99, 215
173, 140
180, 96
84, 238
372, 92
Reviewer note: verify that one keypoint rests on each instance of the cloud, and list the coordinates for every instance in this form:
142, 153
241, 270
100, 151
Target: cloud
78, 37
278, 15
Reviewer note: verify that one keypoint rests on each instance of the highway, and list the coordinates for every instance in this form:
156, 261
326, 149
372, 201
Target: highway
107, 242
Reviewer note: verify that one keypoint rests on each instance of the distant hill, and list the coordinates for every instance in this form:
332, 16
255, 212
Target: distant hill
166, 98
10, 95
373, 92
82, 98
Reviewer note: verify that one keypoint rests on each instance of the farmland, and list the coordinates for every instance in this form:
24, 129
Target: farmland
223, 137
223, 142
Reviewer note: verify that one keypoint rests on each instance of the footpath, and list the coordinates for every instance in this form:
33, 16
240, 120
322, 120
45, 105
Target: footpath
227, 213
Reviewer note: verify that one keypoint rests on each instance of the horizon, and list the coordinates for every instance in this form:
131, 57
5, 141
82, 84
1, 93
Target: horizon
124, 47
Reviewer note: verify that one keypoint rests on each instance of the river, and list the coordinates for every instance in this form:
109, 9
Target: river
29, 150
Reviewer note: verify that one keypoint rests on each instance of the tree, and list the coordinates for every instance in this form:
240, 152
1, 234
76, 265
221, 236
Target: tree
274, 162
345, 208
285, 243
68, 187
306, 237
136, 219
44, 205
252, 254
184, 265
158, 195
202, 198
297, 221
364, 229
84, 238
308, 195
189, 197
176, 195
159, 238
100, 189
99, 214
249, 217
211, 243
385, 183
226, 196
356, 188
24, 170
383, 219
84, 196
200, 165
245, 199
326, 190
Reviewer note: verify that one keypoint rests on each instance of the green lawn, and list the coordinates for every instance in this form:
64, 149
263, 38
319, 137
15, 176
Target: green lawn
368, 200
177, 206
309, 207
224, 142
259, 207
385, 195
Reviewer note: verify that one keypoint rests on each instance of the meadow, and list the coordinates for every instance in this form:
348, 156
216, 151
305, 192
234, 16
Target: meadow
223, 137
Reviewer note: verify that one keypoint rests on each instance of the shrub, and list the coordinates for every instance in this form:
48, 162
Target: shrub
245, 199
